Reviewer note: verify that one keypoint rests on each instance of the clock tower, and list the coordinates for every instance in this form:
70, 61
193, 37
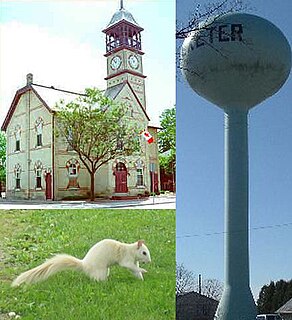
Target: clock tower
124, 53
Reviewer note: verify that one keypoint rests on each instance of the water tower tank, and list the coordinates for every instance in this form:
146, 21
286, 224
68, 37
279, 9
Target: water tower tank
237, 60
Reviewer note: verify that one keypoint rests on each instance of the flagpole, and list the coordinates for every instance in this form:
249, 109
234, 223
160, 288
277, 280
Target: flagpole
153, 184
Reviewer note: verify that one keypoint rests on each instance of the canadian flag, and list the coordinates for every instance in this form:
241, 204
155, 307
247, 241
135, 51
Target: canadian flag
147, 136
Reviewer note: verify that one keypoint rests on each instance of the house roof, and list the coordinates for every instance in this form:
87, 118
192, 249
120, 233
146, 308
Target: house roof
194, 295
286, 308
113, 92
50, 96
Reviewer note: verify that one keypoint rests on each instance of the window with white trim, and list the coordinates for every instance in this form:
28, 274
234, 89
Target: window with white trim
140, 174
39, 131
17, 138
140, 177
38, 169
39, 178
72, 169
17, 173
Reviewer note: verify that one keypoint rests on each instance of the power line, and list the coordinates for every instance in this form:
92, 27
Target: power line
288, 224
62, 90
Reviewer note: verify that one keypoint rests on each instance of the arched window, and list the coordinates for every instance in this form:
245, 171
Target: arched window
39, 131
73, 167
17, 173
140, 174
39, 178
140, 177
17, 138
38, 169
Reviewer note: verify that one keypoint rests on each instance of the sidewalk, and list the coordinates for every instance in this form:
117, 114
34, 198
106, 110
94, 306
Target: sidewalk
166, 201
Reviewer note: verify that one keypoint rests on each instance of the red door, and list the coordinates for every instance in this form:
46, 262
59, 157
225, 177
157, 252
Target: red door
48, 186
121, 178
154, 182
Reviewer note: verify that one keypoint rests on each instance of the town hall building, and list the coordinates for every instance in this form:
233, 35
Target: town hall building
41, 165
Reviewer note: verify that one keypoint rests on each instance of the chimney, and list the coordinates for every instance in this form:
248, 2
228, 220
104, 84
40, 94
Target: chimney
29, 79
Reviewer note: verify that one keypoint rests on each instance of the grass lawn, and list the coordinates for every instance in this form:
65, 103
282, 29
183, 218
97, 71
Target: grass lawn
28, 237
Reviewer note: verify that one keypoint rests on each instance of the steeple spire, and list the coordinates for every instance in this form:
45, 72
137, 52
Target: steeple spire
121, 4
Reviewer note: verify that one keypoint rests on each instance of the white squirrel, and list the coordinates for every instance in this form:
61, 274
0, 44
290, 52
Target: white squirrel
95, 264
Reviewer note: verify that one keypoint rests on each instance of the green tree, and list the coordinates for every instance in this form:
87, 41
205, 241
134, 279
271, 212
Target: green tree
167, 140
274, 295
2, 159
98, 129
264, 302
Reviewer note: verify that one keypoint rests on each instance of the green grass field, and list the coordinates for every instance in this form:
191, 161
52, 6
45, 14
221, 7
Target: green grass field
28, 237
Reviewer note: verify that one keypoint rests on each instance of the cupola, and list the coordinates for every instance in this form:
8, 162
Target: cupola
122, 32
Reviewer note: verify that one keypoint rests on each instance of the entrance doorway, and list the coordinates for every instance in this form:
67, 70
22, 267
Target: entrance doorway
48, 186
121, 178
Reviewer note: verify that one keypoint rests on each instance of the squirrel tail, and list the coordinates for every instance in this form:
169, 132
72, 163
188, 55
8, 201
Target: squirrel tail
56, 264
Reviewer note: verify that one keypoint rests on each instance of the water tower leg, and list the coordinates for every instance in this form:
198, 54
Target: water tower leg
237, 302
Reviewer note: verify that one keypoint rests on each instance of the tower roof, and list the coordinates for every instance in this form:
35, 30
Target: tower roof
122, 14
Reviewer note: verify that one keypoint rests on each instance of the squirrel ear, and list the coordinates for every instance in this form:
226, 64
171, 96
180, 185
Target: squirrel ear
140, 242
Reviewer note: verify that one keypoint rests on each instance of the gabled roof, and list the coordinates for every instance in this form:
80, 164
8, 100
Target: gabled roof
114, 91
49, 96
286, 308
13, 106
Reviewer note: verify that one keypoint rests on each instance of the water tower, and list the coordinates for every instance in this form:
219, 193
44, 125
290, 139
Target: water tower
236, 61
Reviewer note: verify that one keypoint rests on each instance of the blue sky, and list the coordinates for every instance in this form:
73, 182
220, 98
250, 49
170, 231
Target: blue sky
62, 44
200, 173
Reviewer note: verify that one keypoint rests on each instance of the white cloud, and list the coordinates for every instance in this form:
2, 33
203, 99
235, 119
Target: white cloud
54, 60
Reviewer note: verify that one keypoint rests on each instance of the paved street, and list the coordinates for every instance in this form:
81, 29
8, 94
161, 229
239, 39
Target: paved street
157, 202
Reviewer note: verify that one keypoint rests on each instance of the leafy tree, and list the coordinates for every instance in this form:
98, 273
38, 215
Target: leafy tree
167, 140
98, 129
2, 159
274, 295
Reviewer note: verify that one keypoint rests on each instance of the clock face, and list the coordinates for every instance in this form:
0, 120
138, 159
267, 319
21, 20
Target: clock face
116, 62
134, 62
